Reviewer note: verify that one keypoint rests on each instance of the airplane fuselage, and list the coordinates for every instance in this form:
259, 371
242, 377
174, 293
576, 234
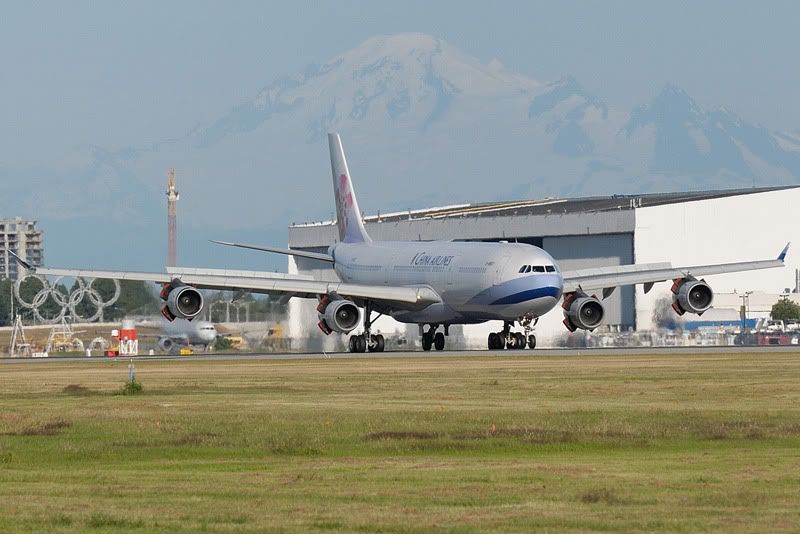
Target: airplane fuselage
476, 281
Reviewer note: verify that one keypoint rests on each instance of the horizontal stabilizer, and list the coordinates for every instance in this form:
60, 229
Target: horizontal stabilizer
288, 252
19, 260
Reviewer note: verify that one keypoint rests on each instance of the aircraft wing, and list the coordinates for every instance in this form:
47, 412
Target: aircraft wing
607, 278
263, 282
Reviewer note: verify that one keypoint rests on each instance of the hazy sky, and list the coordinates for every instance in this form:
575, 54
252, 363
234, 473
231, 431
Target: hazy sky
125, 73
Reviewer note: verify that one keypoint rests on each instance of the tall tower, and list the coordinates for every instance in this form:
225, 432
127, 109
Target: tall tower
172, 223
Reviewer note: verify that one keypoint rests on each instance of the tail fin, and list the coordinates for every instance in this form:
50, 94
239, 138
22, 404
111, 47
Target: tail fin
348, 216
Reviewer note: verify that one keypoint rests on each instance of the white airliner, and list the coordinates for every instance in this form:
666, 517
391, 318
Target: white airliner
182, 333
433, 284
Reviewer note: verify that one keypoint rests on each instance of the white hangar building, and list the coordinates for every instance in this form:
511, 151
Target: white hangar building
685, 229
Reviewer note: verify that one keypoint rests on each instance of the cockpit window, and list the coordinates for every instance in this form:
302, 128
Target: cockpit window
537, 269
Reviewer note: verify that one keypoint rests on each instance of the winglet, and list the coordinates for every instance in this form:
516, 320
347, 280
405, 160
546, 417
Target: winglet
782, 255
20, 260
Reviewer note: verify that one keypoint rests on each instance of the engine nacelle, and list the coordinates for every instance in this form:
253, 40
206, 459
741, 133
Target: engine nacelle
582, 311
166, 344
183, 302
337, 316
691, 295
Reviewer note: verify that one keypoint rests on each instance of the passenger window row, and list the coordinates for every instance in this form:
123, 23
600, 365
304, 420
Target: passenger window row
537, 269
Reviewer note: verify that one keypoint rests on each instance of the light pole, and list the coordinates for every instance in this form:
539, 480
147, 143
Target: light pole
743, 313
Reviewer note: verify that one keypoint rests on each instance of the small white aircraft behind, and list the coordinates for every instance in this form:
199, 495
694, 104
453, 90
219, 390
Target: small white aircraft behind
182, 333
433, 284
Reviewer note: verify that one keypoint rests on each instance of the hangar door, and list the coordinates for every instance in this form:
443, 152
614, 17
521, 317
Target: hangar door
599, 250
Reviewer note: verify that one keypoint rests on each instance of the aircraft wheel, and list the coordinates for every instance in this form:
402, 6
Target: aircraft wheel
494, 341
379, 343
427, 341
361, 344
352, 344
519, 341
438, 341
531, 341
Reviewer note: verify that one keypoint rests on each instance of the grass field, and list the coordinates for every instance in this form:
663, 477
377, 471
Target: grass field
678, 443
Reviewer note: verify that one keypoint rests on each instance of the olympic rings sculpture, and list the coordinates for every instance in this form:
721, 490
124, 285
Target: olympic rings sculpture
68, 301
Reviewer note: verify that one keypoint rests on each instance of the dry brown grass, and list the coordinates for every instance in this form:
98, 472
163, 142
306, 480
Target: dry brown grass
475, 443
48, 428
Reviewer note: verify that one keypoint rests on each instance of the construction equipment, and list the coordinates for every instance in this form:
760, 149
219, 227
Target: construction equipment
62, 339
19, 347
275, 339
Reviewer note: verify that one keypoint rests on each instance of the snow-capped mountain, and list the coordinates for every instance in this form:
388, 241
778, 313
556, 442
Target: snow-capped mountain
688, 140
409, 81
423, 124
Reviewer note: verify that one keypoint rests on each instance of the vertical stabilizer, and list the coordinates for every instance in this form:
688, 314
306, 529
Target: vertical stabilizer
348, 216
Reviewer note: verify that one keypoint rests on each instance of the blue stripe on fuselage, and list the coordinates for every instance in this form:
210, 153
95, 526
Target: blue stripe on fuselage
530, 294
522, 289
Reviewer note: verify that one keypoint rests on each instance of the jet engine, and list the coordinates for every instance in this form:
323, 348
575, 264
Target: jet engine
166, 344
337, 315
582, 311
183, 302
691, 295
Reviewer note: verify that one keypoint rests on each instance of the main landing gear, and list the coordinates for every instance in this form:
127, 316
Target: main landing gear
432, 338
506, 339
367, 342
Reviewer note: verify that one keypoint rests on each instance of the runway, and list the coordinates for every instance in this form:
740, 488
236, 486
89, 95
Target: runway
536, 353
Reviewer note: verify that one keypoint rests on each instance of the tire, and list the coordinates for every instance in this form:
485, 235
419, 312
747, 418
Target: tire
427, 341
380, 343
361, 344
438, 341
531, 341
494, 341
352, 344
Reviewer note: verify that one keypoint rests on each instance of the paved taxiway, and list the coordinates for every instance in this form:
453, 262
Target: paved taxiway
538, 353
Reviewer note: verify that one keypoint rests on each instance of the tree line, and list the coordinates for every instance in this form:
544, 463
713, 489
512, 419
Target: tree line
136, 299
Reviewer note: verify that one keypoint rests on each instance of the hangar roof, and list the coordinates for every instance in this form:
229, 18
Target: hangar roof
551, 205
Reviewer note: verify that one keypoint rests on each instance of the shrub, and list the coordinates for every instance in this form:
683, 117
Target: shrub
131, 388
223, 343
